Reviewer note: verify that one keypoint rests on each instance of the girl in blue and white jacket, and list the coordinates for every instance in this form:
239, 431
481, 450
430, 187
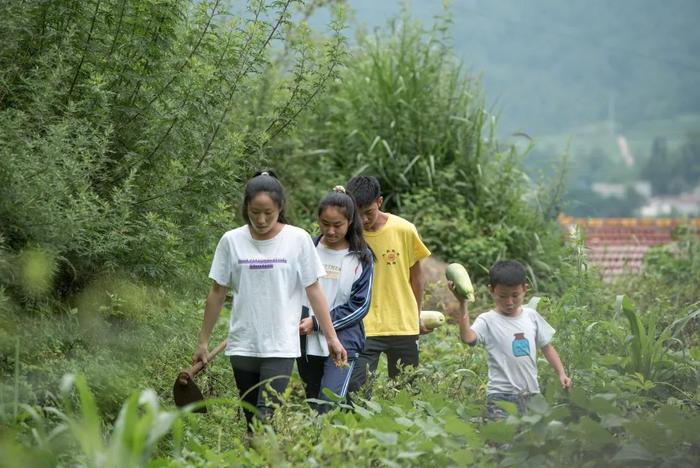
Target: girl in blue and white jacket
349, 265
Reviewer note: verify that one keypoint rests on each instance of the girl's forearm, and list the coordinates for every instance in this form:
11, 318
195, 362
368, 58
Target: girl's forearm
321, 312
212, 309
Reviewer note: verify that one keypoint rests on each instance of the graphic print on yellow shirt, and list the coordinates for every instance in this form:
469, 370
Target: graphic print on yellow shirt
391, 256
393, 310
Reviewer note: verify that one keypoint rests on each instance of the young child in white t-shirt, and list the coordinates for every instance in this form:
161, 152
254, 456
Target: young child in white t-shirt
511, 334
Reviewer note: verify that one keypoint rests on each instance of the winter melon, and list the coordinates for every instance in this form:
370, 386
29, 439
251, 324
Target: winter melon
431, 319
463, 284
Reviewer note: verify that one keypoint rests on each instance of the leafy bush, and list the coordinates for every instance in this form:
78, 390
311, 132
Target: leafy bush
129, 126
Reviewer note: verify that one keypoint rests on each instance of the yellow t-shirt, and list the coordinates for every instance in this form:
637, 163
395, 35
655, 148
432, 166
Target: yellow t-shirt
393, 310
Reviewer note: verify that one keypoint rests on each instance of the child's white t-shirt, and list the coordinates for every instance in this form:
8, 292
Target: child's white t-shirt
342, 270
268, 280
511, 344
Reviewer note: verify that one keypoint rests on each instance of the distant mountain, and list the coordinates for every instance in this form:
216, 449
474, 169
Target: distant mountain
550, 65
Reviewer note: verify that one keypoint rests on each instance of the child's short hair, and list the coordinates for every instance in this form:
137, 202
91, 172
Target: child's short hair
507, 273
365, 189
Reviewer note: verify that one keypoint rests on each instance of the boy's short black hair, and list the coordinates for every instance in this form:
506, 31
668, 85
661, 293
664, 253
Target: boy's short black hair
507, 273
365, 189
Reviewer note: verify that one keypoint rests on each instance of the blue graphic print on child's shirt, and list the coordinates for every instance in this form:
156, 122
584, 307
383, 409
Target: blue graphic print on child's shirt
521, 346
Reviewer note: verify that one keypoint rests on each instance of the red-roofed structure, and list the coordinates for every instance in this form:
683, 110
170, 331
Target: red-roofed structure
617, 245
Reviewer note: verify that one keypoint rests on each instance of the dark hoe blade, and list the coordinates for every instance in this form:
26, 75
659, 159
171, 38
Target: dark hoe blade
185, 391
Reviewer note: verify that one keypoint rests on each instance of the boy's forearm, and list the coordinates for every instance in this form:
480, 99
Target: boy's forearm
466, 334
417, 284
553, 358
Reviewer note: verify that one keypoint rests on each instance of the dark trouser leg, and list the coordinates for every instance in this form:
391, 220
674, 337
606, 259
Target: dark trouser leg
246, 378
252, 374
311, 372
336, 379
366, 362
275, 373
401, 349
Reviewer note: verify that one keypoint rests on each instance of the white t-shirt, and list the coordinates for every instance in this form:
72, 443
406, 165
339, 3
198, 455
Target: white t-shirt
268, 279
342, 270
511, 344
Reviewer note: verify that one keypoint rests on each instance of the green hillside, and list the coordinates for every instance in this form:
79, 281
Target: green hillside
550, 66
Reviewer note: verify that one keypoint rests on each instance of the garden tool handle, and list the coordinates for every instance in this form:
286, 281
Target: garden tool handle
187, 374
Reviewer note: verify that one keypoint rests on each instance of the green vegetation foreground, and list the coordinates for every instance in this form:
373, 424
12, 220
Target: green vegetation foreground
635, 399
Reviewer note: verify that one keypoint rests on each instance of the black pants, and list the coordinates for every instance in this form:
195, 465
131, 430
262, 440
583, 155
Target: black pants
253, 375
398, 349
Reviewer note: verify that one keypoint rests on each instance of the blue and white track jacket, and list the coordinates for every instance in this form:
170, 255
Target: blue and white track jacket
346, 317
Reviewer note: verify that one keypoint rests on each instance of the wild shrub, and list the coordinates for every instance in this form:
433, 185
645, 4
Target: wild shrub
127, 127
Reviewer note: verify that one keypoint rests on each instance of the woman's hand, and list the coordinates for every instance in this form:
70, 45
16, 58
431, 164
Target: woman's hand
306, 326
338, 353
201, 354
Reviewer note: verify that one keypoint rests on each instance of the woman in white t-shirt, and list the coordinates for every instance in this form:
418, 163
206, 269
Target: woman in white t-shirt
349, 265
268, 265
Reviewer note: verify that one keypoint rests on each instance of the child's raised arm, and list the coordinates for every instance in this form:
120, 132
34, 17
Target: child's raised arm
466, 334
553, 358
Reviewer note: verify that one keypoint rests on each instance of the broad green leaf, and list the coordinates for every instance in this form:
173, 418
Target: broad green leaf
429, 427
363, 412
538, 404
374, 406
404, 455
592, 434
610, 421
498, 431
647, 431
404, 421
463, 457
531, 418
456, 426
633, 452
385, 438
602, 404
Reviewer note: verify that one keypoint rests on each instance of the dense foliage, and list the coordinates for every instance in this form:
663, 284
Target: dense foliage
128, 126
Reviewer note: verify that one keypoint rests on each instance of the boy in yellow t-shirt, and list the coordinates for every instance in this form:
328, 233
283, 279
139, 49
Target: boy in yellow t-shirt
392, 325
